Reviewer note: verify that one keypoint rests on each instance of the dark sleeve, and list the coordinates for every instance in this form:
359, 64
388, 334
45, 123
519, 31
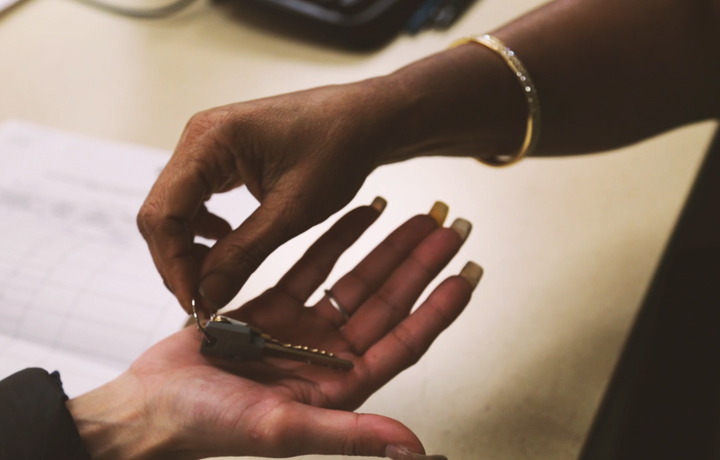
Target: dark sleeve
35, 424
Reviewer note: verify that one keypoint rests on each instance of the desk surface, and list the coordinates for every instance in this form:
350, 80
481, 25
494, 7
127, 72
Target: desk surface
568, 245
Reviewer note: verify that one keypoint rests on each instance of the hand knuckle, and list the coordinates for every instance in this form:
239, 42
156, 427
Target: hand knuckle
147, 219
216, 122
202, 120
151, 223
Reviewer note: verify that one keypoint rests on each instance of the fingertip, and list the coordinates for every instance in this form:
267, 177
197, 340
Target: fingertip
462, 227
397, 452
379, 204
210, 226
185, 303
473, 273
387, 432
167, 285
315, 430
220, 226
439, 212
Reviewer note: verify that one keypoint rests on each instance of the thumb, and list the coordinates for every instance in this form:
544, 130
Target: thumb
314, 430
236, 256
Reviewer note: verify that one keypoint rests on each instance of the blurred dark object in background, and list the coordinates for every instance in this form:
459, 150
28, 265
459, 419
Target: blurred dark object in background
355, 24
358, 24
663, 402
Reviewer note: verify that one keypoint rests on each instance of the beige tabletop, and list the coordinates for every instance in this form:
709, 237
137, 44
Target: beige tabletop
568, 245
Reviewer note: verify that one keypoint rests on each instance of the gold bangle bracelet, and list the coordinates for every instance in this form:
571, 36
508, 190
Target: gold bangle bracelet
532, 133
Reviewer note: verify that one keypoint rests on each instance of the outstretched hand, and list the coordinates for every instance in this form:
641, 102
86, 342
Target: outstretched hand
175, 402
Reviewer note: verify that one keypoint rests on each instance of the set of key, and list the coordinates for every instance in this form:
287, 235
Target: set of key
231, 339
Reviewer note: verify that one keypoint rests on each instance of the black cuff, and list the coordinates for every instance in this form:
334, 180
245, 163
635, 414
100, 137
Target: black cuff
35, 424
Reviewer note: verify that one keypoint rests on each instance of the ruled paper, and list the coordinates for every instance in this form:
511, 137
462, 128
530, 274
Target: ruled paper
78, 289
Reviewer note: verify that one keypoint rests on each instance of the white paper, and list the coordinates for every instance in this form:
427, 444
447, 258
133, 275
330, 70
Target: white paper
78, 289
5, 4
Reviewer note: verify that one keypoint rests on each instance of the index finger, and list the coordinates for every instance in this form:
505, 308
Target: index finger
164, 219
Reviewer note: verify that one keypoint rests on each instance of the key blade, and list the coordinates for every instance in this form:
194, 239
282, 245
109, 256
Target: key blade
307, 356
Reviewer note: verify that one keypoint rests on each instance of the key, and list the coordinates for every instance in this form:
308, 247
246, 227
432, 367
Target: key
235, 340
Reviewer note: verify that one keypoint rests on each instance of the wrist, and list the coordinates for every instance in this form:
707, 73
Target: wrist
115, 422
461, 102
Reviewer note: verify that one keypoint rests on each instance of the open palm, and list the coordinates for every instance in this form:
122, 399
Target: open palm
278, 408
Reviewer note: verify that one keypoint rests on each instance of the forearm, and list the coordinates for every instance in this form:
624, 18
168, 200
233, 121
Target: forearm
608, 73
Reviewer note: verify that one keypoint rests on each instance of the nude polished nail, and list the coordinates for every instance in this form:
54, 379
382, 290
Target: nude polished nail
396, 452
473, 273
439, 212
379, 204
462, 227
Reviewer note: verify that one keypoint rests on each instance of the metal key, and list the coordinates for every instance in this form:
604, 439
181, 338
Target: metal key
235, 340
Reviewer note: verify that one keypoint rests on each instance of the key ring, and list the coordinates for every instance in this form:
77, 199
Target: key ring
199, 323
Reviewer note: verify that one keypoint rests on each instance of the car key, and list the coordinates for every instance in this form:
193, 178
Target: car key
231, 339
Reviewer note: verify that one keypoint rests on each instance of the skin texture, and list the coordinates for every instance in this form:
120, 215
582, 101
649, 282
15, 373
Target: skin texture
176, 403
608, 73
292, 184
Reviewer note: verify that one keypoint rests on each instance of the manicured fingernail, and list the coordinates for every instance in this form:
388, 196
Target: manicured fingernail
396, 452
217, 289
379, 203
439, 212
472, 272
462, 227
